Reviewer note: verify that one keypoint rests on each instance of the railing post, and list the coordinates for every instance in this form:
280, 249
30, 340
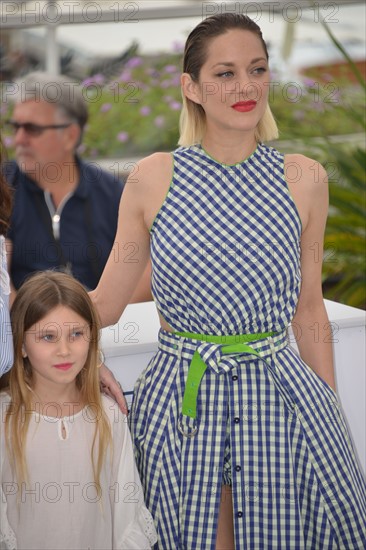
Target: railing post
53, 64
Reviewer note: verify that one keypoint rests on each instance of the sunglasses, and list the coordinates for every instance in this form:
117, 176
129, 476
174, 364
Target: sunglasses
34, 129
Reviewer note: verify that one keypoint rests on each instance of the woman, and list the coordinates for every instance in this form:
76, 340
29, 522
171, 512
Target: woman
6, 341
239, 441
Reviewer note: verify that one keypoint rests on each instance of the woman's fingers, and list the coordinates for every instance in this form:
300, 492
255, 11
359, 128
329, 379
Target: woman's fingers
111, 387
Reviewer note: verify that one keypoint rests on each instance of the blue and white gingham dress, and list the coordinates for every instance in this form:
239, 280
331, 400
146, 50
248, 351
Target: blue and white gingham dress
225, 248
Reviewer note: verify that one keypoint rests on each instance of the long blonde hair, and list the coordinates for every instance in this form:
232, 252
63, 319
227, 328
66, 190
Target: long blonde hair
35, 299
192, 123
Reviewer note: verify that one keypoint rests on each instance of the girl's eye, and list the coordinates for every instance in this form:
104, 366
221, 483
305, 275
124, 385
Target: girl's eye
49, 337
76, 334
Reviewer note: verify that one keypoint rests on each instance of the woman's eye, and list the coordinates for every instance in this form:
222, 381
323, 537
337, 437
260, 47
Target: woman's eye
225, 74
259, 70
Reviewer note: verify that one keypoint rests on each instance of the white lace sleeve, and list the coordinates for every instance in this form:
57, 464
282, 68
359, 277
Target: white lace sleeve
133, 523
7, 536
6, 340
4, 276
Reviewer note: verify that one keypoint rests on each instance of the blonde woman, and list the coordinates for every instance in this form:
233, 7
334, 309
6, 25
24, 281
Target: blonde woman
239, 441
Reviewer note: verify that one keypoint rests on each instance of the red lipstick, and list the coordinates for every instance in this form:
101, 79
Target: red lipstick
63, 366
244, 106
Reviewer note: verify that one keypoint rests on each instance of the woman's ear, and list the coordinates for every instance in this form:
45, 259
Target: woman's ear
190, 88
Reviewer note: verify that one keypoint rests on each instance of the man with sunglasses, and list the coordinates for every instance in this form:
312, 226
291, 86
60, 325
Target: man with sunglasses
65, 210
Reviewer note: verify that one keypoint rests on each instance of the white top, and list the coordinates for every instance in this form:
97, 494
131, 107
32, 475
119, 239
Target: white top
6, 340
60, 509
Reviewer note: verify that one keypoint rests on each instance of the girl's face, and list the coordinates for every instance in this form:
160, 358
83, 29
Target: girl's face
233, 84
57, 347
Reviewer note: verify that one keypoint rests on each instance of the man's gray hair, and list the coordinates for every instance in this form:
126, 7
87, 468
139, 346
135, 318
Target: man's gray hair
61, 91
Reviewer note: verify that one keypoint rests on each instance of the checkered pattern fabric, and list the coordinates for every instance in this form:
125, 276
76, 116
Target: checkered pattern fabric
225, 252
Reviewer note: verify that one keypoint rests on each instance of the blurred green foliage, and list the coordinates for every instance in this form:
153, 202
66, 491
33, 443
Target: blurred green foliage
137, 111
344, 275
344, 267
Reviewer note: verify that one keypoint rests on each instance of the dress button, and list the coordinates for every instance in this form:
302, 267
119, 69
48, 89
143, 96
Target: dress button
238, 468
239, 514
236, 420
234, 377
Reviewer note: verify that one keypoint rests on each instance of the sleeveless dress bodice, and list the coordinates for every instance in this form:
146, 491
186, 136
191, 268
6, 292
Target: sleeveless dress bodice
225, 245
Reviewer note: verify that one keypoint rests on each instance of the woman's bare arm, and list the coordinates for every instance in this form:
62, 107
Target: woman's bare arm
126, 276
310, 324
129, 256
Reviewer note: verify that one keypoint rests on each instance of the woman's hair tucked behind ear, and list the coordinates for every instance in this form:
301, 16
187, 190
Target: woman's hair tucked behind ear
193, 118
37, 297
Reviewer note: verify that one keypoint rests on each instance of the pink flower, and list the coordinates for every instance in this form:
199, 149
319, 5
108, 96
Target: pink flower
134, 62
123, 137
8, 141
175, 106
159, 121
125, 76
106, 107
175, 81
99, 79
87, 82
165, 84
144, 111
170, 69
309, 82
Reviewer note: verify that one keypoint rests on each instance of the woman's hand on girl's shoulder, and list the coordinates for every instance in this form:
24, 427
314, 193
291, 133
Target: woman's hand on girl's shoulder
111, 387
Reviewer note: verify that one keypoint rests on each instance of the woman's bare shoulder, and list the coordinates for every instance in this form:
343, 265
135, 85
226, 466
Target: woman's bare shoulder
155, 165
305, 169
149, 174
148, 184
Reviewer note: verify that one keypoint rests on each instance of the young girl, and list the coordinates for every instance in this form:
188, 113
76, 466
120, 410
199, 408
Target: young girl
239, 441
67, 470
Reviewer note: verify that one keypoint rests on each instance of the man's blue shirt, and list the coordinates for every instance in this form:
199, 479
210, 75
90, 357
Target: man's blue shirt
88, 223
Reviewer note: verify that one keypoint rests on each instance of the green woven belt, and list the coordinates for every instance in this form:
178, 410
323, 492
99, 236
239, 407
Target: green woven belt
236, 343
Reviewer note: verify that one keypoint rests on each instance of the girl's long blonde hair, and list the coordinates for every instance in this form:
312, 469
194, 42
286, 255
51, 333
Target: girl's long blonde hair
35, 299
